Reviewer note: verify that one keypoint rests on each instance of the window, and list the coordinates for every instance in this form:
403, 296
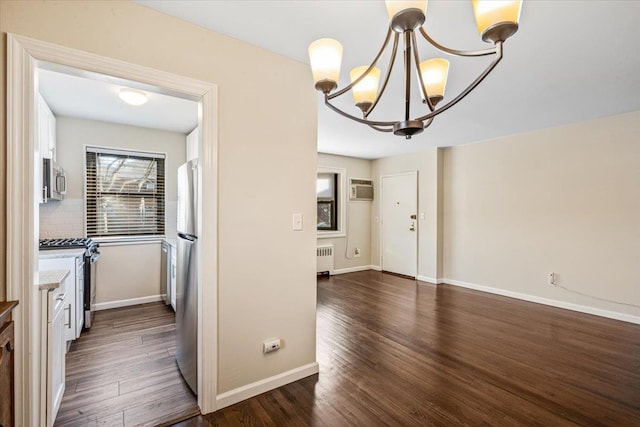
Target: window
124, 193
326, 190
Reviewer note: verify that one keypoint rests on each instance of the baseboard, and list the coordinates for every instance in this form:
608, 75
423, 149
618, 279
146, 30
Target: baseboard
547, 301
250, 390
375, 267
127, 302
430, 280
352, 269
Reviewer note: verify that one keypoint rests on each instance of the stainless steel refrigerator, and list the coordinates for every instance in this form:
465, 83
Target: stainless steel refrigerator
187, 274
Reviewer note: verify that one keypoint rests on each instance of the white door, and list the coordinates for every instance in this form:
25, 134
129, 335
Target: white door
399, 224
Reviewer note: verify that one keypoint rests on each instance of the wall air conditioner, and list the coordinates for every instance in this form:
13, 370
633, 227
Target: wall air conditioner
361, 189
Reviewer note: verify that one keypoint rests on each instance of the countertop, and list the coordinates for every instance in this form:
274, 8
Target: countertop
61, 253
51, 279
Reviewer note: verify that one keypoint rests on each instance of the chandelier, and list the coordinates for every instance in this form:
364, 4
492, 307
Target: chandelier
496, 20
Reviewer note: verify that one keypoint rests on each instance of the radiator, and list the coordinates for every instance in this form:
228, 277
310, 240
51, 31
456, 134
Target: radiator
325, 259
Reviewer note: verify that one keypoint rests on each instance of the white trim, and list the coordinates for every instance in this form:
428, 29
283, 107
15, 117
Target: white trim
376, 267
547, 301
126, 302
250, 390
352, 269
24, 57
330, 234
430, 280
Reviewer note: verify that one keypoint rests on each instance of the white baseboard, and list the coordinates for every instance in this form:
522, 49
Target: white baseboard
127, 302
430, 280
375, 267
352, 269
250, 390
547, 301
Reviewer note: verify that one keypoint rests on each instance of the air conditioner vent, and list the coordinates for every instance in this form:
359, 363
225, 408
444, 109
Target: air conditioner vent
361, 189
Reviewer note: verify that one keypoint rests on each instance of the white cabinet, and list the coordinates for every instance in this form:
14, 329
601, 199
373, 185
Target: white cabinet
53, 348
193, 144
172, 280
74, 301
46, 130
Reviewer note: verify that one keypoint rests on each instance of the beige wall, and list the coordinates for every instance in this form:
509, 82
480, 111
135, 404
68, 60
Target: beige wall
266, 271
128, 272
564, 200
429, 239
359, 212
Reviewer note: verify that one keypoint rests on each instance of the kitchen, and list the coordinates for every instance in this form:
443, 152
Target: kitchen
112, 223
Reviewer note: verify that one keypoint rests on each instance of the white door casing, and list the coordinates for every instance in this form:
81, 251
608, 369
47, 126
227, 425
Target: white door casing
24, 57
399, 224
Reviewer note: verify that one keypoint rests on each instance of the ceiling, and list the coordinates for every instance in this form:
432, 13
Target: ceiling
570, 61
74, 93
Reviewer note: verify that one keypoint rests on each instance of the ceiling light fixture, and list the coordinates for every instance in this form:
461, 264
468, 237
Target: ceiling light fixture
133, 97
496, 20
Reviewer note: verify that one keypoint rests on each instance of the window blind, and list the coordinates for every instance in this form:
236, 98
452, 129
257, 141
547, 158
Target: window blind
125, 193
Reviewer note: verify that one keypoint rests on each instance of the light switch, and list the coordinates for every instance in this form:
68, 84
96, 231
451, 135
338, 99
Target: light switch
297, 222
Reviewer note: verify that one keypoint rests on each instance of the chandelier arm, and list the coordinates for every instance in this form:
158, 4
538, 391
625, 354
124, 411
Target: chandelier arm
386, 77
363, 75
416, 56
354, 118
444, 49
379, 129
469, 88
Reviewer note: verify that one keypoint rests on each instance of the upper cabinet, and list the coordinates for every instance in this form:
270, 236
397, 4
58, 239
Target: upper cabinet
193, 144
46, 130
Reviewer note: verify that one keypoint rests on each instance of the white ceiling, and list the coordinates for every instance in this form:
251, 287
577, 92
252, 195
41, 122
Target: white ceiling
96, 98
570, 61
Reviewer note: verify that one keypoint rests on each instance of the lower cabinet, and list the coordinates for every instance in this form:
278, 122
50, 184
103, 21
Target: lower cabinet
53, 316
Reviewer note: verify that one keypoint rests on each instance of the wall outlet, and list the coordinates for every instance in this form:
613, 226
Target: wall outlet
356, 253
552, 279
271, 346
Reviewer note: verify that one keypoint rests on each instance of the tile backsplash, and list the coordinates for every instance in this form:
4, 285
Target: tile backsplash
61, 219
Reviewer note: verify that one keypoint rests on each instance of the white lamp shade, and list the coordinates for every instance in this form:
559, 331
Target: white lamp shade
492, 12
434, 76
367, 89
133, 97
395, 6
325, 56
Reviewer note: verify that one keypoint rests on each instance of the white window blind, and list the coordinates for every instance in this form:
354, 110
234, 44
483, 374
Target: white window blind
124, 193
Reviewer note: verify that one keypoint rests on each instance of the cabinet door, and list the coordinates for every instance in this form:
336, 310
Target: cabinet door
173, 277
79, 305
55, 365
46, 129
193, 144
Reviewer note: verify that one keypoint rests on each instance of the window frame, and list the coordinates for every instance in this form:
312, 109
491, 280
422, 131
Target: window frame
133, 153
341, 200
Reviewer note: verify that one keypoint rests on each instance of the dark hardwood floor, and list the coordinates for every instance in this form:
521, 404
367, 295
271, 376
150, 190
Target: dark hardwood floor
399, 353
122, 371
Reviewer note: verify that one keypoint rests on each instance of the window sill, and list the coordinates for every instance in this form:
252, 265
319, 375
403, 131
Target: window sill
330, 234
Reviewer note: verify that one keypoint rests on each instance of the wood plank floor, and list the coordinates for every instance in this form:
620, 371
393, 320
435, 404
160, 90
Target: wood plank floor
399, 353
122, 371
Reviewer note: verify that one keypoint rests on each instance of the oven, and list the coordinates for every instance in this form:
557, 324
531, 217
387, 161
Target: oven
91, 257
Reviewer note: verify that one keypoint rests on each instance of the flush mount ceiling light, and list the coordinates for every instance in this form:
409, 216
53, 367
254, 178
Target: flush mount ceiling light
133, 97
496, 21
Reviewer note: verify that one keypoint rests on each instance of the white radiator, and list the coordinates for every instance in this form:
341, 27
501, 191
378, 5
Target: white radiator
325, 259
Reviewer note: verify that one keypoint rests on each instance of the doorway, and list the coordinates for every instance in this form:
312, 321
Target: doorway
24, 57
399, 224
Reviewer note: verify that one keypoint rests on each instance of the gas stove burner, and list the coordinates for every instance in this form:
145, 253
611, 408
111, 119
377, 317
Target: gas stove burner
79, 242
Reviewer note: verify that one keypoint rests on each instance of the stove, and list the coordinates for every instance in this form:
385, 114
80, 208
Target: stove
90, 268
74, 242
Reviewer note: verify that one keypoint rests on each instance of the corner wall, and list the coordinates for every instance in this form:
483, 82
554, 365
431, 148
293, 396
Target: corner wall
358, 217
563, 200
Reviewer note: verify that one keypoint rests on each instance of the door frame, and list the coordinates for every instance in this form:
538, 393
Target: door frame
414, 173
24, 55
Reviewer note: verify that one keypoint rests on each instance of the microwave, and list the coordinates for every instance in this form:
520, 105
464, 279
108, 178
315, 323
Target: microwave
54, 181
